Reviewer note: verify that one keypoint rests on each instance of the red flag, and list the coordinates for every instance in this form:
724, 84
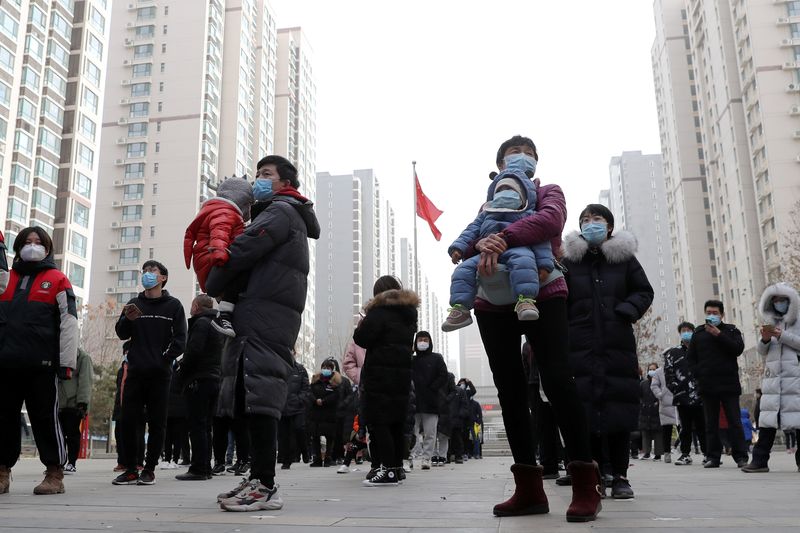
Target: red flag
426, 210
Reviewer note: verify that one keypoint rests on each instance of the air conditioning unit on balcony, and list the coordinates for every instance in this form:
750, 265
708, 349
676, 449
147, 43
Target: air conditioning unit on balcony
787, 42
113, 246
125, 82
790, 65
122, 140
126, 62
783, 20
795, 110
796, 134
130, 24
124, 101
119, 161
128, 42
115, 224
118, 183
116, 203
112, 268
109, 290
122, 121
131, 6
793, 87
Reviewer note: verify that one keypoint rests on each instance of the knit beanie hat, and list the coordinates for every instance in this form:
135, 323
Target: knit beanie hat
240, 192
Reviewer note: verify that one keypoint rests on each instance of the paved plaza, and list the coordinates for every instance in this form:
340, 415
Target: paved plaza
668, 498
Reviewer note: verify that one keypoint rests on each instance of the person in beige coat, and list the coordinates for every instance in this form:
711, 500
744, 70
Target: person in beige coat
667, 413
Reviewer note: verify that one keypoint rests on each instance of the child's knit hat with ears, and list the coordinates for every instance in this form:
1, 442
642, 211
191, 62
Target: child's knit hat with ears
239, 191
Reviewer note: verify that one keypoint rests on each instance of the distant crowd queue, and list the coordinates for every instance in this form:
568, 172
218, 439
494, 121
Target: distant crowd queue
555, 317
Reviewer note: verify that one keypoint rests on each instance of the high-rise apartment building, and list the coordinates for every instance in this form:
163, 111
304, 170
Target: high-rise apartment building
189, 100
295, 139
638, 202
687, 204
745, 69
52, 69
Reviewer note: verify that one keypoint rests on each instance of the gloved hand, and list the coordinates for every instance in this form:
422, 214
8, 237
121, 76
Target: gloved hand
82, 409
65, 373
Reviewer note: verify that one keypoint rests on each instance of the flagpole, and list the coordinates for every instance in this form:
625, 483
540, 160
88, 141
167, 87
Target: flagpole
415, 263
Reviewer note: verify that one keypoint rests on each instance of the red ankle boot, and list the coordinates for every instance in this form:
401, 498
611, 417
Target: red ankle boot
529, 497
586, 483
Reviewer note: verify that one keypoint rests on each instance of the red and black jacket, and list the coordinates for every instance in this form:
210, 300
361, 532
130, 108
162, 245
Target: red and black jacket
38, 318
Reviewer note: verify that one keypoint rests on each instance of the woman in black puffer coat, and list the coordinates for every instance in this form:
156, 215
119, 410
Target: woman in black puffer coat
608, 292
649, 420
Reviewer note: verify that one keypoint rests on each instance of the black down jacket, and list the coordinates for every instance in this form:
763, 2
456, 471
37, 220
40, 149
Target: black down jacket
298, 396
387, 333
445, 424
648, 413
608, 292
430, 378
713, 360
201, 359
273, 252
326, 390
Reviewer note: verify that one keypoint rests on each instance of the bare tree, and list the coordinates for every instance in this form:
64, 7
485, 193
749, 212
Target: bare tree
789, 270
645, 332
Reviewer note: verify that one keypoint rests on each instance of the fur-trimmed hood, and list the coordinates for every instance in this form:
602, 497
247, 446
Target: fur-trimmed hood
620, 247
769, 314
394, 297
336, 378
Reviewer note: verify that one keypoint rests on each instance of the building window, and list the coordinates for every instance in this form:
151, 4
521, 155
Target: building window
134, 171
163, 67
80, 214
9, 26
58, 53
152, 231
30, 78
146, 13
26, 110
44, 202
140, 89
142, 51
142, 70
95, 46
88, 127
92, 72
131, 213
53, 81
155, 168
17, 212
53, 111
129, 256
137, 129
158, 147
165, 29
50, 140
90, 100
76, 275
82, 184
23, 143
5, 94
46, 170
6, 59
161, 86
793, 8
20, 176
133, 192
136, 149
144, 32
129, 235
160, 106
97, 20
86, 156
78, 244
37, 17
153, 210
163, 47
127, 278
140, 109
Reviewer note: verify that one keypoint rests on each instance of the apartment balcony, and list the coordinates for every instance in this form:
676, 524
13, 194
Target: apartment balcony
790, 42
127, 223
126, 203
119, 245
134, 99
129, 181
791, 65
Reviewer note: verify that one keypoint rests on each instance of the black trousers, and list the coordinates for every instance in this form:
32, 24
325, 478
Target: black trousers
292, 438
692, 421
201, 400
39, 391
545, 430
711, 406
386, 444
222, 425
140, 393
616, 446
71, 426
140, 446
456, 448
264, 436
177, 433
762, 448
501, 334
666, 438
318, 430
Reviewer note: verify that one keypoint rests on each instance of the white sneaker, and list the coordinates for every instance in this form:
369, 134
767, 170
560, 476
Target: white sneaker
69, 468
165, 465
343, 470
426, 464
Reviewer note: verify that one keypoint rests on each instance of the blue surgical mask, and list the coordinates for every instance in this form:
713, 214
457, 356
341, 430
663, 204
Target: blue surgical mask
149, 280
327, 372
714, 320
262, 190
651, 373
521, 162
595, 232
506, 199
686, 336
781, 306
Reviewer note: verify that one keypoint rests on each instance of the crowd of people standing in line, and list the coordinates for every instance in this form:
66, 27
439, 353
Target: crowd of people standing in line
578, 373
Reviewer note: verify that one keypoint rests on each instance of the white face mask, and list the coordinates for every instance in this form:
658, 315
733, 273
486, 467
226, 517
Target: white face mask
422, 346
33, 252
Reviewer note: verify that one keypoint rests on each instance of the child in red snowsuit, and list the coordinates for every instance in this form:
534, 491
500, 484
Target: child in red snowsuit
208, 237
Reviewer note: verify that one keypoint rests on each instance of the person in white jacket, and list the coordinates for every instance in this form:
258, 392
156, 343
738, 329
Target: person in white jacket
667, 413
780, 386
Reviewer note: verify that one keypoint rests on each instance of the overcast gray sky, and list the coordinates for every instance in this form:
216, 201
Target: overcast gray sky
444, 82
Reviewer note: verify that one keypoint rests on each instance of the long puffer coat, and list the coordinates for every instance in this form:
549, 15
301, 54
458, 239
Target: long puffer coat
648, 411
273, 252
430, 378
608, 292
387, 333
780, 385
666, 410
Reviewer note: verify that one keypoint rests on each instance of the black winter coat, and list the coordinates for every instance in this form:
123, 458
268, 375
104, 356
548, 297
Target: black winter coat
430, 377
387, 333
713, 360
679, 377
203, 354
298, 396
445, 424
347, 407
648, 412
608, 292
273, 252
326, 390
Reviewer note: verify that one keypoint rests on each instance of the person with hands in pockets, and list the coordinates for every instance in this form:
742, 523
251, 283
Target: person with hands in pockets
155, 323
38, 345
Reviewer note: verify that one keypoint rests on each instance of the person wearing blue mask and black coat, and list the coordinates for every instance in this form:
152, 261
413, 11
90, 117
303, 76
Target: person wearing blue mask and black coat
713, 355
608, 293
